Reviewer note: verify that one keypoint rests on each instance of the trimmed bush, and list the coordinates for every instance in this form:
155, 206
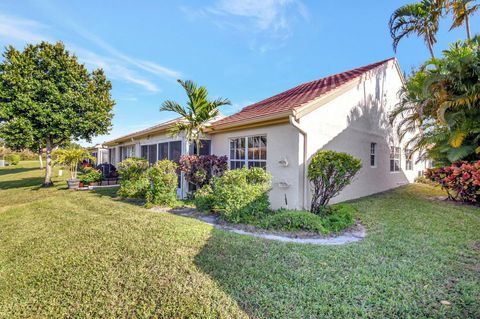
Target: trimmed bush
134, 182
199, 170
163, 182
460, 180
12, 159
203, 199
294, 221
240, 196
329, 173
339, 217
132, 168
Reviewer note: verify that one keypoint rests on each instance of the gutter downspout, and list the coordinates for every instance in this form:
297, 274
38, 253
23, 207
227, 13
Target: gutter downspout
296, 124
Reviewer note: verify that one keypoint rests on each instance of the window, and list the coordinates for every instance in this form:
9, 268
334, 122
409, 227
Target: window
111, 155
126, 152
373, 147
248, 151
408, 160
149, 152
204, 147
394, 159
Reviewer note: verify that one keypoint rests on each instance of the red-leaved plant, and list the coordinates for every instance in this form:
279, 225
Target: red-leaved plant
461, 180
199, 170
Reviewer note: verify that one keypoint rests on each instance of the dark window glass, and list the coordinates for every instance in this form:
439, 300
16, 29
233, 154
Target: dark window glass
152, 153
144, 152
162, 151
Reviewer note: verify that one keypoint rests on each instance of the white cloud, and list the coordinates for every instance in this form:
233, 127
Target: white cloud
265, 19
116, 64
114, 69
22, 30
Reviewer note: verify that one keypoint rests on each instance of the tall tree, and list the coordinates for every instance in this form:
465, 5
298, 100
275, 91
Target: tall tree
196, 114
461, 10
420, 18
439, 108
48, 98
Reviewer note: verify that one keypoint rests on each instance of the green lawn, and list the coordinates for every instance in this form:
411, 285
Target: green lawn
85, 254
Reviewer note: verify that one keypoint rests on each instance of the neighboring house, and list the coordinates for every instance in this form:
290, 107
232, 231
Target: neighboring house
101, 154
346, 112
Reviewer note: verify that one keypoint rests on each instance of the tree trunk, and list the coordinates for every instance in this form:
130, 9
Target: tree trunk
40, 159
430, 48
48, 171
197, 142
467, 26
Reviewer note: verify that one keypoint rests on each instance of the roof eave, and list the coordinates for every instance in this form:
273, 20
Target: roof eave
270, 119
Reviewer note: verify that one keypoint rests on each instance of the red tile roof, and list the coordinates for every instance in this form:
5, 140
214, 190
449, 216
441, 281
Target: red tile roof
297, 96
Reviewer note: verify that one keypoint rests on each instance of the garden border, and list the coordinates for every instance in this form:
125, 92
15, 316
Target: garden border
354, 234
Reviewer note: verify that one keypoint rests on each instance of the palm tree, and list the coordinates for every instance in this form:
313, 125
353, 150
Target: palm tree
196, 114
461, 10
419, 18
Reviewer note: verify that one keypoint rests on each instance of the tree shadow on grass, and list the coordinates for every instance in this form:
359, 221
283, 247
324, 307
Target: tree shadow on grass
21, 183
8, 171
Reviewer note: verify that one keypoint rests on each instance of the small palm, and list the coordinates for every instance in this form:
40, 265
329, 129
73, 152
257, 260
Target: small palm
197, 113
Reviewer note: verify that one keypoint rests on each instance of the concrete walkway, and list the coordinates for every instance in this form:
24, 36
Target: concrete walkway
355, 234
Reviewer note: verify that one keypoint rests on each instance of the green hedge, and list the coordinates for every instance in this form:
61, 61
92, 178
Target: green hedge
163, 182
339, 217
294, 221
12, 159
134, 181
240, 196
156, 184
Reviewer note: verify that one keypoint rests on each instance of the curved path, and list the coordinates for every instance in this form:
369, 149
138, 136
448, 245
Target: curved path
357, 233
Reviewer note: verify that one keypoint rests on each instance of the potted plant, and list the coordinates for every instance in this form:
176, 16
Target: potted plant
71, 157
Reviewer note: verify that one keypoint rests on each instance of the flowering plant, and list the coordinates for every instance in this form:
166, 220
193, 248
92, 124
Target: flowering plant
460, 180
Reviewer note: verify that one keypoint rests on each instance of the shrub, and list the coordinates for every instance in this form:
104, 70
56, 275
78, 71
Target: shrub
163, 182
12, 159
241, 195
330, 172
90, 175
339, 217
294, 220
132, 168
460, 180
203, 199
199, 170
134, 182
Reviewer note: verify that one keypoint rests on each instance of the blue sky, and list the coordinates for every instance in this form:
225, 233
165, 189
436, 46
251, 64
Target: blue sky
242, 50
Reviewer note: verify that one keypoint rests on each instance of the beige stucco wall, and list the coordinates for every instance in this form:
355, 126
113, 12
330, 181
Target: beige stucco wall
282, 143
354, 120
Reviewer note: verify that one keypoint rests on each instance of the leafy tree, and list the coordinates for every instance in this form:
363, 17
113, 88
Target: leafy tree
420, 18
461, 10
330, 172
48, 98
196, 114
439, 108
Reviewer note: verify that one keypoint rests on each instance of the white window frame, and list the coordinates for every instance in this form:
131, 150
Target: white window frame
395, 156
408, 159
127, 155
373, 154
246, 161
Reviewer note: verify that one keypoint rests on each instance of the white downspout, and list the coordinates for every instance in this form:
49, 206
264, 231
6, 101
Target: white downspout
294, 122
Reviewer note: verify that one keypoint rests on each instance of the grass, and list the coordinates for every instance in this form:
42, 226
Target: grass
85, 254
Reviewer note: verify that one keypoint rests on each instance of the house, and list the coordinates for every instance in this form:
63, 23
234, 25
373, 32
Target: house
346, 112
100, 153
